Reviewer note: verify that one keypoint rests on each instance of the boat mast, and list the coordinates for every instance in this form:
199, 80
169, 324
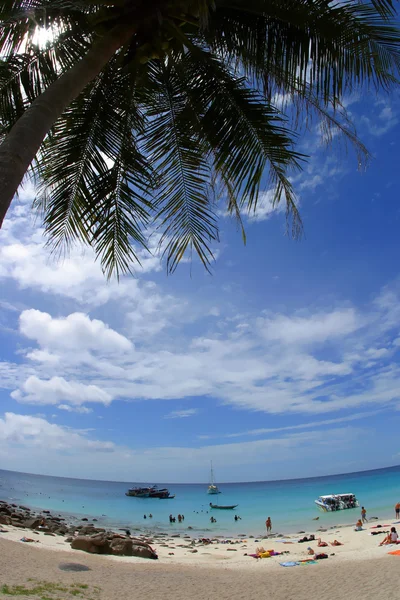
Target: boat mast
212, 474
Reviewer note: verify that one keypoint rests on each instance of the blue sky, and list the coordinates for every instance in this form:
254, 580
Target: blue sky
283, 363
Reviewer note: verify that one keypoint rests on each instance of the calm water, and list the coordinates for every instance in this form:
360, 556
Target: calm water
290, 504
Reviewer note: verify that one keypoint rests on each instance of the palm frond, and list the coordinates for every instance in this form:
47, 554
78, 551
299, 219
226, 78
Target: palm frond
182, 205
97, 182
249, 142
333, 46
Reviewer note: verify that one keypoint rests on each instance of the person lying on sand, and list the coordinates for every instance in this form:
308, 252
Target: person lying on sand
391, 538
321, 544
336, 543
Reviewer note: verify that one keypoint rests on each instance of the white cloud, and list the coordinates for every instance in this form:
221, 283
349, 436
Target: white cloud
319, 327
310, 425
182, 414
75, 332
84, 410
265, 207
29, 432
56, 390
277, 363
383, 118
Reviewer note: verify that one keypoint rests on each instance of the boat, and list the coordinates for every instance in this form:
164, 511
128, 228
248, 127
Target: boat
139, 492
212, 488
333, 502
149, 492
222, 507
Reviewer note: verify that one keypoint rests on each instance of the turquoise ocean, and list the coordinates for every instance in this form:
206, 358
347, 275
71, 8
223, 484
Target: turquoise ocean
289, 503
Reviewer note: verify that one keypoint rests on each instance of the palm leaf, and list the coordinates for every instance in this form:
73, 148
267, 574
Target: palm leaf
182, 205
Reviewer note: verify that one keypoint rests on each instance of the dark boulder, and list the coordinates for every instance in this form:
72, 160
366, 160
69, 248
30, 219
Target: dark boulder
144, 552
121, 547
32, 523
5, 520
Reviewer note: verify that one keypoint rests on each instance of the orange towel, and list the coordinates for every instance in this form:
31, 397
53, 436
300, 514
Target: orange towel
395, 552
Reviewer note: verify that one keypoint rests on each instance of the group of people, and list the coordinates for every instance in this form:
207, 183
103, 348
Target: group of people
150, 516
173, 519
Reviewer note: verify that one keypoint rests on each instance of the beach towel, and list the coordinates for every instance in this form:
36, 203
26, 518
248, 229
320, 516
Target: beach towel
308, 562
289, 564
395, 552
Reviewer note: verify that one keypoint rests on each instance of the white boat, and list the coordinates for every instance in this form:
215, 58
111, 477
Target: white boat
212, 488
334, 502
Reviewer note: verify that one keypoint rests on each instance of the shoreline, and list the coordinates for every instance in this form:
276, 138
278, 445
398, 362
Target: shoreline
186, 548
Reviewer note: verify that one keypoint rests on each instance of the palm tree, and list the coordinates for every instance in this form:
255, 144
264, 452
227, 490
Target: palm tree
137, 110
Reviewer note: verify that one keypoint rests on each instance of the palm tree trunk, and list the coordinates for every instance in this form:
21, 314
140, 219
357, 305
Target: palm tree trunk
22, 143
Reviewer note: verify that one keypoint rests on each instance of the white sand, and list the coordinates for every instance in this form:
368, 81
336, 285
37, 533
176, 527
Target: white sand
357, 546
359, 569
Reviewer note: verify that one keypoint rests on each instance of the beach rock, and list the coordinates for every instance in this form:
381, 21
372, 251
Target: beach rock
15, 523
25, 508
17, 516
32, 523
89, 529
121, 547
84, 519
88, 544
5, 510
5, 520
69, 539
144, 552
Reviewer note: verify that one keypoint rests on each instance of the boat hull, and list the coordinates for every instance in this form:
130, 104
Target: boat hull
231, 507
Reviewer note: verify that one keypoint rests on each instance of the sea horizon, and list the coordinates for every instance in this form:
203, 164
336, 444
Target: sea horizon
219, 482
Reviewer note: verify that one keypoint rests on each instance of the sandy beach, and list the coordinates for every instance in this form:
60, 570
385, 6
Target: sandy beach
359, 568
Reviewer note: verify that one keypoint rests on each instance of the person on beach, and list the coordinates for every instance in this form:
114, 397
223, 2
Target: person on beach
336, 543
268, 525
180, 518
359, 525
321, 544
364, 515
391, 538
397, 509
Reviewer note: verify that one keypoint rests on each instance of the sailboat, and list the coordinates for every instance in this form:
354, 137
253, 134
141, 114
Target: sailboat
212, 488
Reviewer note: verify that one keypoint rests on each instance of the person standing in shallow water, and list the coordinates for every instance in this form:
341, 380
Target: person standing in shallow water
397, 509
268, 525
364, 515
